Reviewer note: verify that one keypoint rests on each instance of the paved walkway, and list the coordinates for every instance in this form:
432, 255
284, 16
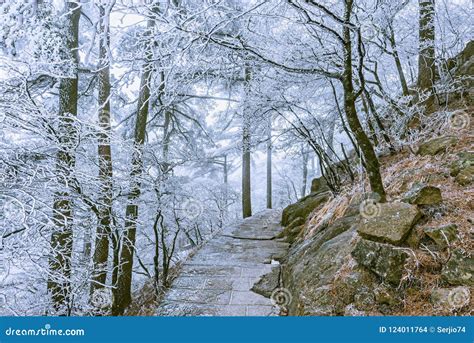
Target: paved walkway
216, 281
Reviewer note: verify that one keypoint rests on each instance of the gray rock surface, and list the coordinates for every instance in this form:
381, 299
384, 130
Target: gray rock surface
459, 270
387, 261
391, 225
421, 194
292, 230
303, 207
436, 145
442, 235
462, 169
319, 185
312, 266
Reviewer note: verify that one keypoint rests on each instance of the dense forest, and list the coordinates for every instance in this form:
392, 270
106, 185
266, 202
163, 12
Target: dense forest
133, 131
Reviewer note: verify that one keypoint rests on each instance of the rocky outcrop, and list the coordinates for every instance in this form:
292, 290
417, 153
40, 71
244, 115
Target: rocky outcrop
459, 270
384, 260
338, 272
422, 194
310, 270
319, 185
303, 207
368, 260
391, 225
292, 230
436, 145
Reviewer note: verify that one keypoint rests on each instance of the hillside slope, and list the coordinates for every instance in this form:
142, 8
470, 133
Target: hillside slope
410, 256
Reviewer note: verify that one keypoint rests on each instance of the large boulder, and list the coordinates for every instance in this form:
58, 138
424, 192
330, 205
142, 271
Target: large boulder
311, 268
303, 207
442, 235
391, 224
436, 145
292, 230
459, 270
421, 194
319, 185
385, 260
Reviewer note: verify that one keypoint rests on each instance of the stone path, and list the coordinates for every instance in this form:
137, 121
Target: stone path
216, 281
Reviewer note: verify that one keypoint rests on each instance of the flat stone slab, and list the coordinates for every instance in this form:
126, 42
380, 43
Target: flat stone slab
217, 280
391, 222
247, 298
200, 296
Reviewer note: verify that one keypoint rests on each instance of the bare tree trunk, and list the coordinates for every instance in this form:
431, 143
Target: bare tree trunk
371, 161
101, 252
304, 155
166, 122
246, 136
269, 163
122, 296
373, 134
59, 284
398, 63
426, 60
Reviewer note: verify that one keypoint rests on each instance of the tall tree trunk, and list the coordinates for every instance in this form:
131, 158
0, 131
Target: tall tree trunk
122, 296
59, 284
371, 161
269, 163
101, 251
398, 63
373, 134
426, 59
246, 136
166, 120
226, 185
